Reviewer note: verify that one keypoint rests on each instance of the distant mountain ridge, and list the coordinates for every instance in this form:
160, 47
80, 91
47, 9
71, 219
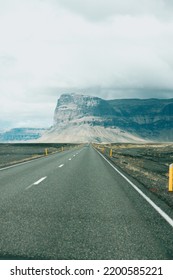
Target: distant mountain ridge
21, 134
149, 118
81, 118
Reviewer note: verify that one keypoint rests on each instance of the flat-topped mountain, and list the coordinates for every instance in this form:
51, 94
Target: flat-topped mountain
81, 118
73, 108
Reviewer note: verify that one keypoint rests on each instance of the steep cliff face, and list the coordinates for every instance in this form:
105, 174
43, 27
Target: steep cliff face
81, 109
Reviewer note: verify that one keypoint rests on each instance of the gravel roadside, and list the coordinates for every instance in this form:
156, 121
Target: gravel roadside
147, 163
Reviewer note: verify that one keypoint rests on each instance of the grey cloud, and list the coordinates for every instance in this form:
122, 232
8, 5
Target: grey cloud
107, 48
101, 9
114, 92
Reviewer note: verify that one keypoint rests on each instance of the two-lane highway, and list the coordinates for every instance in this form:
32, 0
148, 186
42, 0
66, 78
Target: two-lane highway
74, 205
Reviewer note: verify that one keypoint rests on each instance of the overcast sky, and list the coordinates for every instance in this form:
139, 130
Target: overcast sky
108, 48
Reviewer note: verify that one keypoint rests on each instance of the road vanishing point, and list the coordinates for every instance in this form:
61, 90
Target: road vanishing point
74, 205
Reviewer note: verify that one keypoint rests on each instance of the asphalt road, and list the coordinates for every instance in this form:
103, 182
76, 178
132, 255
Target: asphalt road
74, 205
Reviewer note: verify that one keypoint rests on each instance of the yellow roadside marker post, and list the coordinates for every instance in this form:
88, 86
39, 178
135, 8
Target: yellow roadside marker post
171, 177
110, 154
46, 152
62, 149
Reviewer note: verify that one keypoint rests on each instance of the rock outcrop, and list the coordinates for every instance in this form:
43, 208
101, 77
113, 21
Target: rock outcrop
81, 118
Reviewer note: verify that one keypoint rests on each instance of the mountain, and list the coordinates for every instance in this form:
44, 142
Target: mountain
149, 118
81, 118
74, 109
21, 134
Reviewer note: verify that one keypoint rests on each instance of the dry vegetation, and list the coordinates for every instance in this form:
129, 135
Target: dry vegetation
147, 163
15, 153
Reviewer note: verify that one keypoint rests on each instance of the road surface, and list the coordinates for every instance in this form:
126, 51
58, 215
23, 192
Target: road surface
74, 205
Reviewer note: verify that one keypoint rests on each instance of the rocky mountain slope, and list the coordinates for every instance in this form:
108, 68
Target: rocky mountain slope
149, 118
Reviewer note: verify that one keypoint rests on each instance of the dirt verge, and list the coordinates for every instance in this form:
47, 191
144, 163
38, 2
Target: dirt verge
16, 153
147, 163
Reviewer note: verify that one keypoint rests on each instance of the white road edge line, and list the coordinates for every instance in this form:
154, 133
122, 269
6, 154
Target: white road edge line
18, 164
25, 162
36, 183
61, 165
157, 208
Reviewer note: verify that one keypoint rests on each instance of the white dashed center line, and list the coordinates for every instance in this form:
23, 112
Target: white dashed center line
36, 183
61, 165
39, 181
69, 159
